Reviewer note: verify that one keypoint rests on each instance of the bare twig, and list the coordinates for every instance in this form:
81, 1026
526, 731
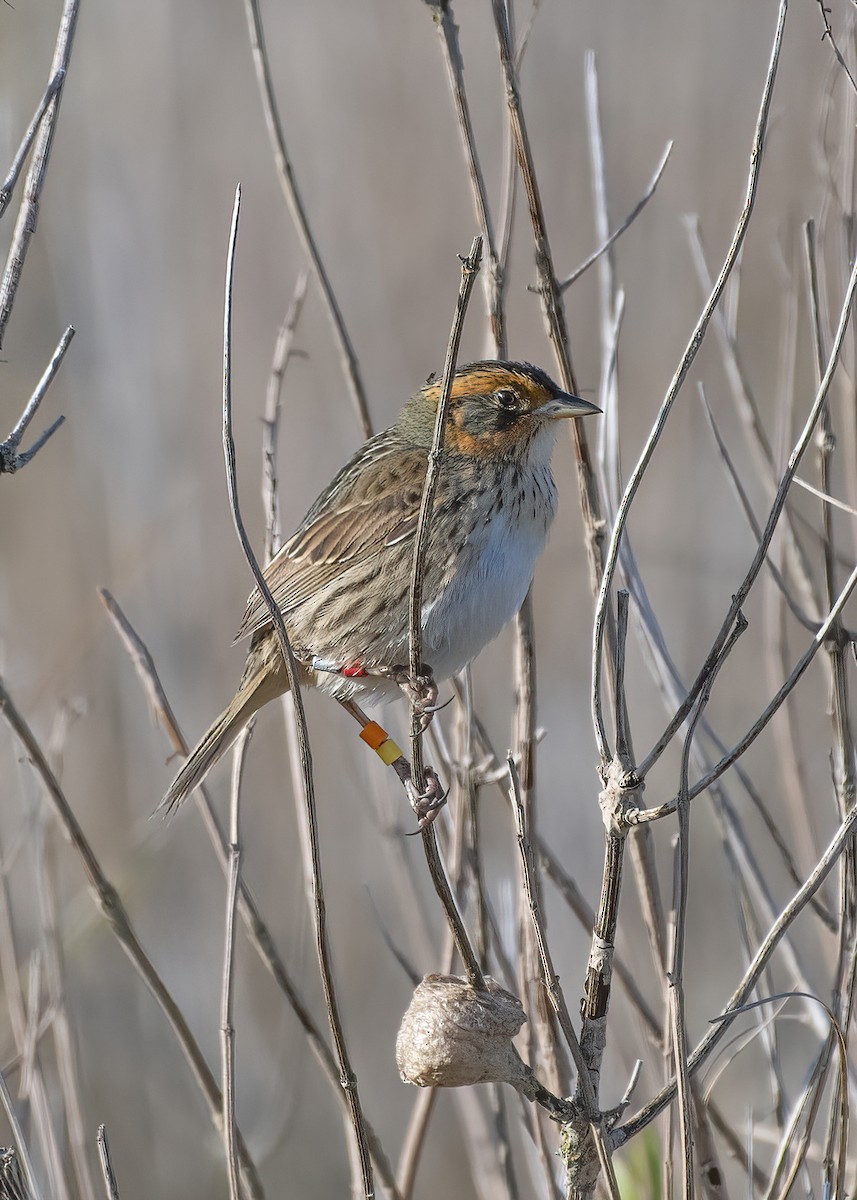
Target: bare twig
110, 1184
257, 930
288, 183
814, 491
493, 279
775, 934
61, 1025
8, 184
746, 506
29, 211
747, 408
10, 459
271, 423
551, 979
612, 238
828, 34
551, 297
227, 1029
756, 728
675, 386
22, 1153
349, 1080
109, 903
469, 270
676, 975
773, 517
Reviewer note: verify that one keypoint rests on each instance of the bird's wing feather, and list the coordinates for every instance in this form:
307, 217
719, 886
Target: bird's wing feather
372, 504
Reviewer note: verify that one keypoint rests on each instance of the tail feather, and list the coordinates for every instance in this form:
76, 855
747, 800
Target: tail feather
250, 697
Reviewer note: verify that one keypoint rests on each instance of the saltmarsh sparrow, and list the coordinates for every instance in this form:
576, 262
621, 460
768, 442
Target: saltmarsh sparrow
342, 581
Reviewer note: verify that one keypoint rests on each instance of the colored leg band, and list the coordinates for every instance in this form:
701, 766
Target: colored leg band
383, 745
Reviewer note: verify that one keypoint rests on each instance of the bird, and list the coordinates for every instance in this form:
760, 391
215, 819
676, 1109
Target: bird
342, 581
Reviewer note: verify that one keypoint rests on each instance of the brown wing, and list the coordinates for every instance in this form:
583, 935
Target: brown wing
372, 504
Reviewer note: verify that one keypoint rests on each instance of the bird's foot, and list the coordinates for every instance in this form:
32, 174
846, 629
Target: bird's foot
421, 691
428, 803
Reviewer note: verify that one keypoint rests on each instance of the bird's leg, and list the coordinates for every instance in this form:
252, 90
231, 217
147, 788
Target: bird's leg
421, 690
426, 804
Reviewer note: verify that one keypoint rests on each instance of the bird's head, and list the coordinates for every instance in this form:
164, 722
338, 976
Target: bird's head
496, 410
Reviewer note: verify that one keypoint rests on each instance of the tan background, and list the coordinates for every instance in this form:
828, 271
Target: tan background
160, 119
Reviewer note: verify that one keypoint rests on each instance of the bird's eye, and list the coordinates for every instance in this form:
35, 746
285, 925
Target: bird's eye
507, 399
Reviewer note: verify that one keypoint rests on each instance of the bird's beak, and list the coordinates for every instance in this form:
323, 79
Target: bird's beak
565, 405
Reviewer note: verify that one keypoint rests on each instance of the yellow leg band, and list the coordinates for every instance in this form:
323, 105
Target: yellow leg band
376, 737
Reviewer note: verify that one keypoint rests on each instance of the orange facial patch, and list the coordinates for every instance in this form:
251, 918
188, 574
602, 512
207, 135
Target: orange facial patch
484, 380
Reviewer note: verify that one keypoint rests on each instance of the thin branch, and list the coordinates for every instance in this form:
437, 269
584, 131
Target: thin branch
469, 270
412, 1147
748, 408
10, 460
828, 34
110, 1184
23, 1160
283, 352
28, 213
784, 920
258, 933
814, 491
551, 979
620, 229
675, 387
493, 279
676, 975
770, 526
66, 1052
288, 184
109, 903
756, 728
747, 508
227, 1029
349, 1079
8, 184
551, 297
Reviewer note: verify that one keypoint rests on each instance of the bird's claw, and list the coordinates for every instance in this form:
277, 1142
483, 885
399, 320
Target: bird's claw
428, 803
421, 691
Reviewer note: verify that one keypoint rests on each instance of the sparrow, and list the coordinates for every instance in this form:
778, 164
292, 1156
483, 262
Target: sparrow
342, 581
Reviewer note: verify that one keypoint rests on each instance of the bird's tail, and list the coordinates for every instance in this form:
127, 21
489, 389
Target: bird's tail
255, 691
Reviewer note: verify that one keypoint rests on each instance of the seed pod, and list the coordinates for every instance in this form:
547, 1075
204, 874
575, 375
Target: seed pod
453, 1036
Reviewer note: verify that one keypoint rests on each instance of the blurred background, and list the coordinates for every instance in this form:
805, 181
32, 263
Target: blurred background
160, 119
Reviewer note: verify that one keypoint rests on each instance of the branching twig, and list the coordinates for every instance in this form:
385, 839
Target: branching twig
626, 224
828, 34
10, 459
107, 899
786, 918
756, 728
660, 421
29, 211
770, 526
8, 184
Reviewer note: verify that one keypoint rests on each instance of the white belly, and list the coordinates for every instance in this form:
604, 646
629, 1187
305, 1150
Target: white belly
487, 590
